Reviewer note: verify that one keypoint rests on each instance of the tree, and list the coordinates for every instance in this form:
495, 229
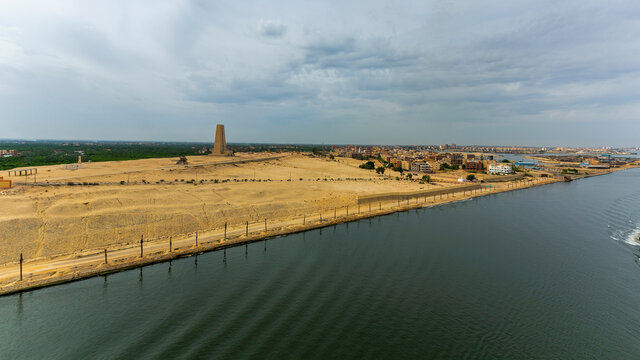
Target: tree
471, 177
444, 166
505, 161
380, 170
369, 165
409, 176
426, 178
455, 167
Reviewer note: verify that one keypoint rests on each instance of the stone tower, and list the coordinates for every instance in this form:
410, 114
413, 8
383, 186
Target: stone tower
219, 143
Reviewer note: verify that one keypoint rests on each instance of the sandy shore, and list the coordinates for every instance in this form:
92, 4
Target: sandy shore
63, 231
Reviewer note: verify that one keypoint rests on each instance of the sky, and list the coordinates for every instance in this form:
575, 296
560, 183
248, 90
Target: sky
539, 73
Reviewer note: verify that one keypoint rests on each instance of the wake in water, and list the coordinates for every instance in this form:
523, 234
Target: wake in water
634, 237
622, 218
631, 237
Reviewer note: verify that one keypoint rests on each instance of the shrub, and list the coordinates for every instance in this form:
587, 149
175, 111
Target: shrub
369, 165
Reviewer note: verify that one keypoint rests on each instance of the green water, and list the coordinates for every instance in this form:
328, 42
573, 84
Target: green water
549, 272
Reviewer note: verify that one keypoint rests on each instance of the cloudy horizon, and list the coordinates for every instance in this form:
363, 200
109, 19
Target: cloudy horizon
538, 73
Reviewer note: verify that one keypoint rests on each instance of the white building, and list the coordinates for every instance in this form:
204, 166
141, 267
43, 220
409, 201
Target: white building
500, 169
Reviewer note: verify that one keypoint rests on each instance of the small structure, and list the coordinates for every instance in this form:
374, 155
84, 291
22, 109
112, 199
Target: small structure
24, 172
525, 163
73, 166
5, 184
182, 161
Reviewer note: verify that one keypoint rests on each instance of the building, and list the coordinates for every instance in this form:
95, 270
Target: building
420, 167
474, 166
457, 159
500, 169
8, 153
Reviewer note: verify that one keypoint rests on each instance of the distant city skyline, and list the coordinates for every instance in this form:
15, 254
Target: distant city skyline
529, 73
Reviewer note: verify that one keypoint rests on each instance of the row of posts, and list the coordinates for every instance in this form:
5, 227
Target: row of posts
304, 218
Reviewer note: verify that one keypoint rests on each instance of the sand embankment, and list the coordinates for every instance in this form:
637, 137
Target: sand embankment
63, 230
160, 199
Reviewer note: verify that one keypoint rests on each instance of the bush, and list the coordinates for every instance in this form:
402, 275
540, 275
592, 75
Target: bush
369, 165
471, 177
426, 178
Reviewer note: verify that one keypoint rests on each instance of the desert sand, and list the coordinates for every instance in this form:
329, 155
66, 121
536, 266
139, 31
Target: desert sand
156, 201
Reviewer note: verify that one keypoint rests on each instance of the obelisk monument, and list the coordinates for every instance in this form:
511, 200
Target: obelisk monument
220, 143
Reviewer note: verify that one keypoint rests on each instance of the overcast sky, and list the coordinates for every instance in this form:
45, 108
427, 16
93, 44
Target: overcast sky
390, 72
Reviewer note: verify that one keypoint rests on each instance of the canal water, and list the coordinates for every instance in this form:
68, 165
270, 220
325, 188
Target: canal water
549, 272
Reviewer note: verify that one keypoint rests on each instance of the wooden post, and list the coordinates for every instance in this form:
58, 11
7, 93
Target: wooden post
369, 206
196, 239
265, 224
141, 241
379, 205
225, 231
358, 208
320, 217
347, 211
105, 256
21, 261
170, 243
304, 219
335, 213
246, 233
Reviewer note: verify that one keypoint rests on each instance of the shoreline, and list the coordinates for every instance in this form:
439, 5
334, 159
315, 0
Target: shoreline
67, 272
